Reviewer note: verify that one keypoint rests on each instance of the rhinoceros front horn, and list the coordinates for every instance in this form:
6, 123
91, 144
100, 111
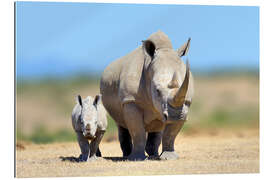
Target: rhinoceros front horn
179, 98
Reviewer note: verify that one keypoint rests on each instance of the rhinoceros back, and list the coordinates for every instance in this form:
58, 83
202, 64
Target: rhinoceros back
120, 83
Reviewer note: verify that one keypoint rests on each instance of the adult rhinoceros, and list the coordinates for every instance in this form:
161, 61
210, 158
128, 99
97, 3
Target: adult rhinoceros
148, 91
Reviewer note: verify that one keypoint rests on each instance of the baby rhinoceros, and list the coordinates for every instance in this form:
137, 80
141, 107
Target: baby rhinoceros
90, 122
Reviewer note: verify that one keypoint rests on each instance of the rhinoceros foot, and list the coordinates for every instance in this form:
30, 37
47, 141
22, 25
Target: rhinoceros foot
169, 155
136, 157
83, 158
153, 157
92, 158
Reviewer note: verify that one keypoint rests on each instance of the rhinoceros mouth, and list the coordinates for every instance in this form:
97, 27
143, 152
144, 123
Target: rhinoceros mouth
90, 137
175, 113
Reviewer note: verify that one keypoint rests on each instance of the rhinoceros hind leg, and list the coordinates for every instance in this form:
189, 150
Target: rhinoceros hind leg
153, 143
125, 141
98, 153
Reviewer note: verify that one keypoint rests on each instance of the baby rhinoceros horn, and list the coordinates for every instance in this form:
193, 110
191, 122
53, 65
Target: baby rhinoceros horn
179, 98
87, 128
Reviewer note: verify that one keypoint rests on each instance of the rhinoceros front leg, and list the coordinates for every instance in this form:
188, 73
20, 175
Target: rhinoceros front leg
84, 146
94, 146
153, 143
169, 134
125, 141
98, 153
134, 121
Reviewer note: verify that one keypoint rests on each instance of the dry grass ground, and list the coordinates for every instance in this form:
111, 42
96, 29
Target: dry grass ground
49, 104
219, 151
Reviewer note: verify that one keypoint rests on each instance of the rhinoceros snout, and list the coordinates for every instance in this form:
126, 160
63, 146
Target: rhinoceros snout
87, 132
89, 136
87, 128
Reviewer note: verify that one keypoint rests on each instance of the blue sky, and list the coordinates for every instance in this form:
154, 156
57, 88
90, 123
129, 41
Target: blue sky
58, 39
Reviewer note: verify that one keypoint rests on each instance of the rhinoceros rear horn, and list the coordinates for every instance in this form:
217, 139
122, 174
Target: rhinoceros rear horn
180, 95
149, 47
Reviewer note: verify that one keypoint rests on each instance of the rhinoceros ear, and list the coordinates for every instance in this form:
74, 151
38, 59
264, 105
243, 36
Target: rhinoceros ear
183, 50
149, 47
97, 100
79, 99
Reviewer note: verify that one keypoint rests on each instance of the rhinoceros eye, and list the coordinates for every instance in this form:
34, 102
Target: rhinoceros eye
158, 92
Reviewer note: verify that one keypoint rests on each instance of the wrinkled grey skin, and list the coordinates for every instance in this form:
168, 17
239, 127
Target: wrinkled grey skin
148, 93
89, 122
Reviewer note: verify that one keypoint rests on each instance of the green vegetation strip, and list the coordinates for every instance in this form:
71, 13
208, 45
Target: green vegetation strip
42, 135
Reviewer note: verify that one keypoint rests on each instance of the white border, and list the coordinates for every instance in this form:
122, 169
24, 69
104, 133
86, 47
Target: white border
7, 86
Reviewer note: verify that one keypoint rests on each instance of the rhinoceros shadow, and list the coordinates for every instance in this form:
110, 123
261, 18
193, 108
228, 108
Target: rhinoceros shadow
69, 158
76, 159
114, 159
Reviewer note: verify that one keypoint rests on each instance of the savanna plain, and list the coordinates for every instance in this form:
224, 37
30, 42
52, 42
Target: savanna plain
221, 134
